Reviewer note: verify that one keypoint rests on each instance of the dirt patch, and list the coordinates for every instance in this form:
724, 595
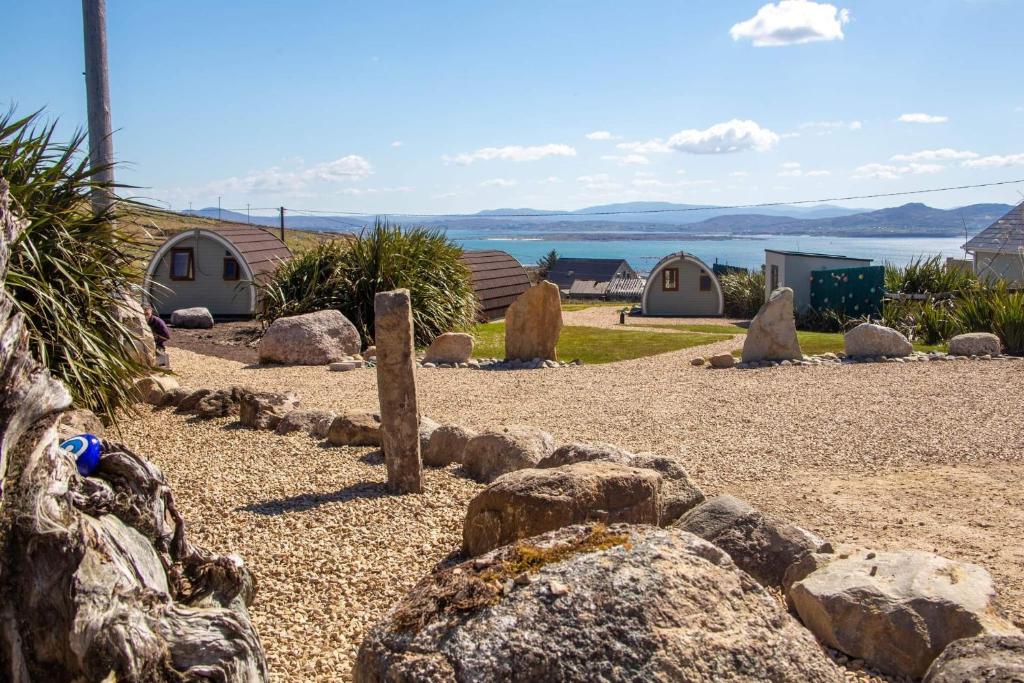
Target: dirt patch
228, 340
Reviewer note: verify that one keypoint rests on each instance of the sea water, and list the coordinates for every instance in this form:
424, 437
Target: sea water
747, 252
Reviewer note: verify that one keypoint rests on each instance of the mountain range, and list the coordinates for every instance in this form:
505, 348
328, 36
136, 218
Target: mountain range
665, 219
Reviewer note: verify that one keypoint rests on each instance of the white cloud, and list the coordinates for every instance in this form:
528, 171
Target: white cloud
358, 191
654, 182
818, 174
856, 125
996, 161
351, 167
791, 22
791, 164
499, 182
792, 169
722, 138
739, 174
599, 182
655, 146
920, 117
512, 153
891, 172
276, 180
397, 143
944, 154
628, 159
551, 180
601, 135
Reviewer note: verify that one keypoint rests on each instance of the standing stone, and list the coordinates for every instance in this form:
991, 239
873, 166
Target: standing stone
772, 333
533, 323
396, 387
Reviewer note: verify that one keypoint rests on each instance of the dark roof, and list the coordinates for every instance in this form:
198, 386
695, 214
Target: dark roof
498, 280
808, 253
260, 248
1005, 235
566, 270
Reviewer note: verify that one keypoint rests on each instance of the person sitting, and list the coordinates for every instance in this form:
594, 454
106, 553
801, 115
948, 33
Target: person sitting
161, 333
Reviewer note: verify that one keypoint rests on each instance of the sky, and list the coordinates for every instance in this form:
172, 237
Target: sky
440, 107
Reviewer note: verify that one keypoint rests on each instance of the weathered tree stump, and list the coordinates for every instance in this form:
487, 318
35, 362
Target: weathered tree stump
97, 578
396, 387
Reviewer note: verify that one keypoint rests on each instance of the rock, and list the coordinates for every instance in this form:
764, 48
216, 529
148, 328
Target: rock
355, 429
310, 339
571, 453
316, 423
174, 397
624, 603
264, 409
79, 421
868, 339
533, 323
450, 347
396, 390
897, 610
196, 318
189, 403
497, 451
697, 361
140, 344
995, 659
975, 344
345, 365
760, 544
447, 444
369, 353
219, 403
532, 501
772, 332
151, 389
678, 492
722, 360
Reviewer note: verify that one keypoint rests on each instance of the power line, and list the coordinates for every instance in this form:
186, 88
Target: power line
654, 211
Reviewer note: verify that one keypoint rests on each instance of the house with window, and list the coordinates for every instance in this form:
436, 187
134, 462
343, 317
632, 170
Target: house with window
793, 269
682, 285
598, 273
214, 268
998, 250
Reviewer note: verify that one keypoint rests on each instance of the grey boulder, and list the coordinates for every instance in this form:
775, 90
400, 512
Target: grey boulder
196, 318
871, 340
622, 603
975, 344
447, 444
772, 332
310, 339
987, 659
264, 409
497, 451
316, 423
450, 347
355, 429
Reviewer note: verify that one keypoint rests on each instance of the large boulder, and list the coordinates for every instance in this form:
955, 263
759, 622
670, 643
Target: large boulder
310, 339
450, 347
625, 603
761, 544
447, 444
530, 502
355, 429
188, 403
151, 389
316, 423
196, 317
897, 610
994, 659
497, 451
570, 453
772, 332
264, 409
975, 344
533, 323
869, 339
218, 403
678, 492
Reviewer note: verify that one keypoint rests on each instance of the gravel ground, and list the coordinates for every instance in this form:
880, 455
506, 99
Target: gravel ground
923, 455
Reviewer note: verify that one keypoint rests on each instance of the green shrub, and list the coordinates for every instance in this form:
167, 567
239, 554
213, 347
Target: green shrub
70, 269
937, 322
347, 276
743, 292
1008, 319
927, 276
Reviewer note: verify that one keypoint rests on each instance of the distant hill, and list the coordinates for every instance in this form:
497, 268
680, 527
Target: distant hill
914, 219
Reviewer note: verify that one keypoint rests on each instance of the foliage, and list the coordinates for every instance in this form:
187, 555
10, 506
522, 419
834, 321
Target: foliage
927, 276
743, 292
1008, 319
70, 270
347, 276
826, 320
546, 263
595, 345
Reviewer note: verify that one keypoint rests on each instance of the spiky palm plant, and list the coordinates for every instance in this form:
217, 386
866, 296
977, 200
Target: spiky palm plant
70, 269
743, 292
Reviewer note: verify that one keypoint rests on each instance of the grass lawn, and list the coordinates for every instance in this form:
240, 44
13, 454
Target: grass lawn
583, 305
712, 328
595, 344
814, 343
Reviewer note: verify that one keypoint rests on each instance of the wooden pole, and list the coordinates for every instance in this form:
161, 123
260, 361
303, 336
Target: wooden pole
97, 88
282, 223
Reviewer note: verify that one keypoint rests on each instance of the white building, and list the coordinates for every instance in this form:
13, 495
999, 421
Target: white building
793, 269
682, 285
998, 250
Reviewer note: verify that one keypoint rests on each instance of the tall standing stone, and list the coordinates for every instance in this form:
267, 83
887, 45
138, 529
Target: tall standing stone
533, 323
772, 332
396, 387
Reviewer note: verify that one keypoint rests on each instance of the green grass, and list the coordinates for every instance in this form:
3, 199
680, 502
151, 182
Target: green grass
814, 343
711, 328
583, 305
594, 345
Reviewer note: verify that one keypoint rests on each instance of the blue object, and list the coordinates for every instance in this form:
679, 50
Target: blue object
87, 450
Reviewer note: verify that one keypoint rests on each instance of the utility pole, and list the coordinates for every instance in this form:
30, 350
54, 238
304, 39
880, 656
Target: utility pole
281, 209
248, 216
97, 89
218, 207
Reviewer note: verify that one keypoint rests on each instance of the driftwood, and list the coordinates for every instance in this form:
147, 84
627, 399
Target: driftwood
98, 580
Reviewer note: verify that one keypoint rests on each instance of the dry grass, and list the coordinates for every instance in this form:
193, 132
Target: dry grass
924, 456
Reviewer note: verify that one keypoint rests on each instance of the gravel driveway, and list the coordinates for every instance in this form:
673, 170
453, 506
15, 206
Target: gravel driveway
924, 455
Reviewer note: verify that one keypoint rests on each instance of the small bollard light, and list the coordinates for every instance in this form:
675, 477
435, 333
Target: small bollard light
622, 317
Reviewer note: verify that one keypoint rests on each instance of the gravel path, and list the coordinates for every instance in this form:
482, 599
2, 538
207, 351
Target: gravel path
922, 455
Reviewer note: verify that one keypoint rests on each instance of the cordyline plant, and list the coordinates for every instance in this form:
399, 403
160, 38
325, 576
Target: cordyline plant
70, 270
346, 275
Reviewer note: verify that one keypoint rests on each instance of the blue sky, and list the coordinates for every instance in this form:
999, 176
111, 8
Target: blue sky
461, 106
